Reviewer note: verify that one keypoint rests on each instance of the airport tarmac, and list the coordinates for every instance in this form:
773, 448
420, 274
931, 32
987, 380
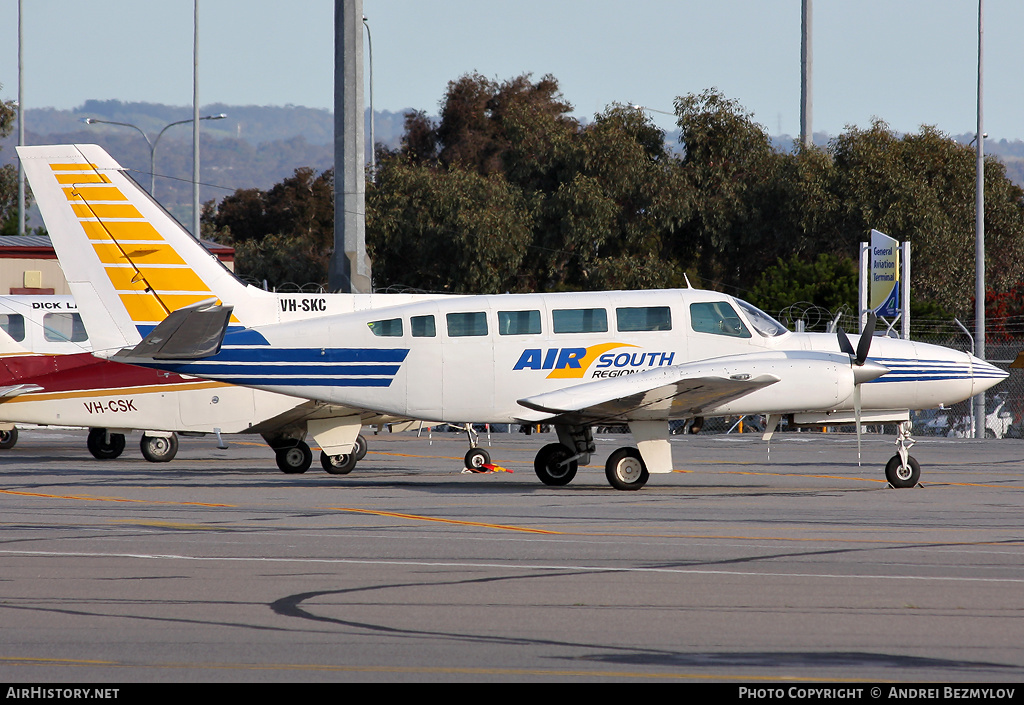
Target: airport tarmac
735, 568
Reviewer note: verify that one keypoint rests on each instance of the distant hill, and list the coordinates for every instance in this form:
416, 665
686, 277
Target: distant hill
254, 147
254, 124
258, 146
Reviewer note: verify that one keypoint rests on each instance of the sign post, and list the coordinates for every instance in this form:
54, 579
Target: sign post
885, 281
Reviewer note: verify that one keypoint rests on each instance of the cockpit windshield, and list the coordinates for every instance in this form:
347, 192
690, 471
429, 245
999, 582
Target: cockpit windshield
761, 321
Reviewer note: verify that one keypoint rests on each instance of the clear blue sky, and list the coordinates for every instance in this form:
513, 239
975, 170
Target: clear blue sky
909, 62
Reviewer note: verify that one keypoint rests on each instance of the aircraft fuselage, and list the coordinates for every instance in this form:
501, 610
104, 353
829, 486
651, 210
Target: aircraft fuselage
463, 358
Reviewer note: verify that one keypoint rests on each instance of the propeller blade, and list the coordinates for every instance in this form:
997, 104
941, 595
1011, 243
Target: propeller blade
844, 343
865, 338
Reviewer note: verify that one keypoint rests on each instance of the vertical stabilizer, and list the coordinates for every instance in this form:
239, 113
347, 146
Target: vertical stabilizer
128, 262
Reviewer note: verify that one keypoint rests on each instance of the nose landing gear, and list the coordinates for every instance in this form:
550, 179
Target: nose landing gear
903, 470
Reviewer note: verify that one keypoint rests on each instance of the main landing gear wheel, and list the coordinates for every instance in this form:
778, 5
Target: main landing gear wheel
339, 464
159, 449
900, 476
476, 458
551, 466
360, 451
626, 470
103, 447
294, 459
8, 438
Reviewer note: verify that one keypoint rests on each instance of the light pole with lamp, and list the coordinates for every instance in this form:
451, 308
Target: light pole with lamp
373, 145
152, 143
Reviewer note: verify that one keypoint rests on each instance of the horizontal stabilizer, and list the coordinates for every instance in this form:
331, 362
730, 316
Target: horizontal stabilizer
18, 389
190, 333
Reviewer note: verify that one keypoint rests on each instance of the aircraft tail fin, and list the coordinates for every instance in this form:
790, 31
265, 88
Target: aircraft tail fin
9, 346
128, 262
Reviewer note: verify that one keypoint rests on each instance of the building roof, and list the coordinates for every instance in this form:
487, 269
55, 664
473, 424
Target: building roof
39, 247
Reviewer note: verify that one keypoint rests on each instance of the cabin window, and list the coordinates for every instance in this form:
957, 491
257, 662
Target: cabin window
580, 320
643, 318
13, 324
518, 322
461, 325
64, 327
717, 317
391, 328
422, 326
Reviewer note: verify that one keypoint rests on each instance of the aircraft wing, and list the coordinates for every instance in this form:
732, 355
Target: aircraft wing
678, 391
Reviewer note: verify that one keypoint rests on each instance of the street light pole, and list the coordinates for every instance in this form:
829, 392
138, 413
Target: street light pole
195, 119
373, 144
979, 225
21, 123
151, 143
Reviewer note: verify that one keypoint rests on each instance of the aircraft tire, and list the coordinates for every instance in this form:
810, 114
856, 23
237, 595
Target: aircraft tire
8, 438
339, 464
295, 459
159, 449
626, 470
361, 447
100, 448
476, 458
898, 476
547, 467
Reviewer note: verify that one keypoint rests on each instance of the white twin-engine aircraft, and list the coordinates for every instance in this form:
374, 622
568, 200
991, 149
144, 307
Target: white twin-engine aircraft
151, 295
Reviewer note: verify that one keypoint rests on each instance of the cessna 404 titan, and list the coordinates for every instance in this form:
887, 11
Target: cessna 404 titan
151, 295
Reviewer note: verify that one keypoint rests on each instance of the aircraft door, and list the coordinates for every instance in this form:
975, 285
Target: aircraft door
424, 389
468, 364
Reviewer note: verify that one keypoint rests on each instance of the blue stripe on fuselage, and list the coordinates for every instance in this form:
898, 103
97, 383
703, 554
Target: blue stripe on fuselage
309, 355
909, 370
297, 367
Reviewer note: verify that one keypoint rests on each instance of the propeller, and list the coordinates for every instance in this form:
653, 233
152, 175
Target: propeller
862, 370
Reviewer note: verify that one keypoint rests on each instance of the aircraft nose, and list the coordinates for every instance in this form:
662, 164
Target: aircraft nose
985, 375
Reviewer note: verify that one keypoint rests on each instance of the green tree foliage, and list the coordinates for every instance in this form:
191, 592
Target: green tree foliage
282, 235
738, 219
828, 281
599, 203
8, 176
921, 187
451, 230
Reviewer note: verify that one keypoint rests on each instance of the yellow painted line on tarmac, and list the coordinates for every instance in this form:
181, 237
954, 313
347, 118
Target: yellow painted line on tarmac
423, 670
417, 517
169, 525
89, 498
